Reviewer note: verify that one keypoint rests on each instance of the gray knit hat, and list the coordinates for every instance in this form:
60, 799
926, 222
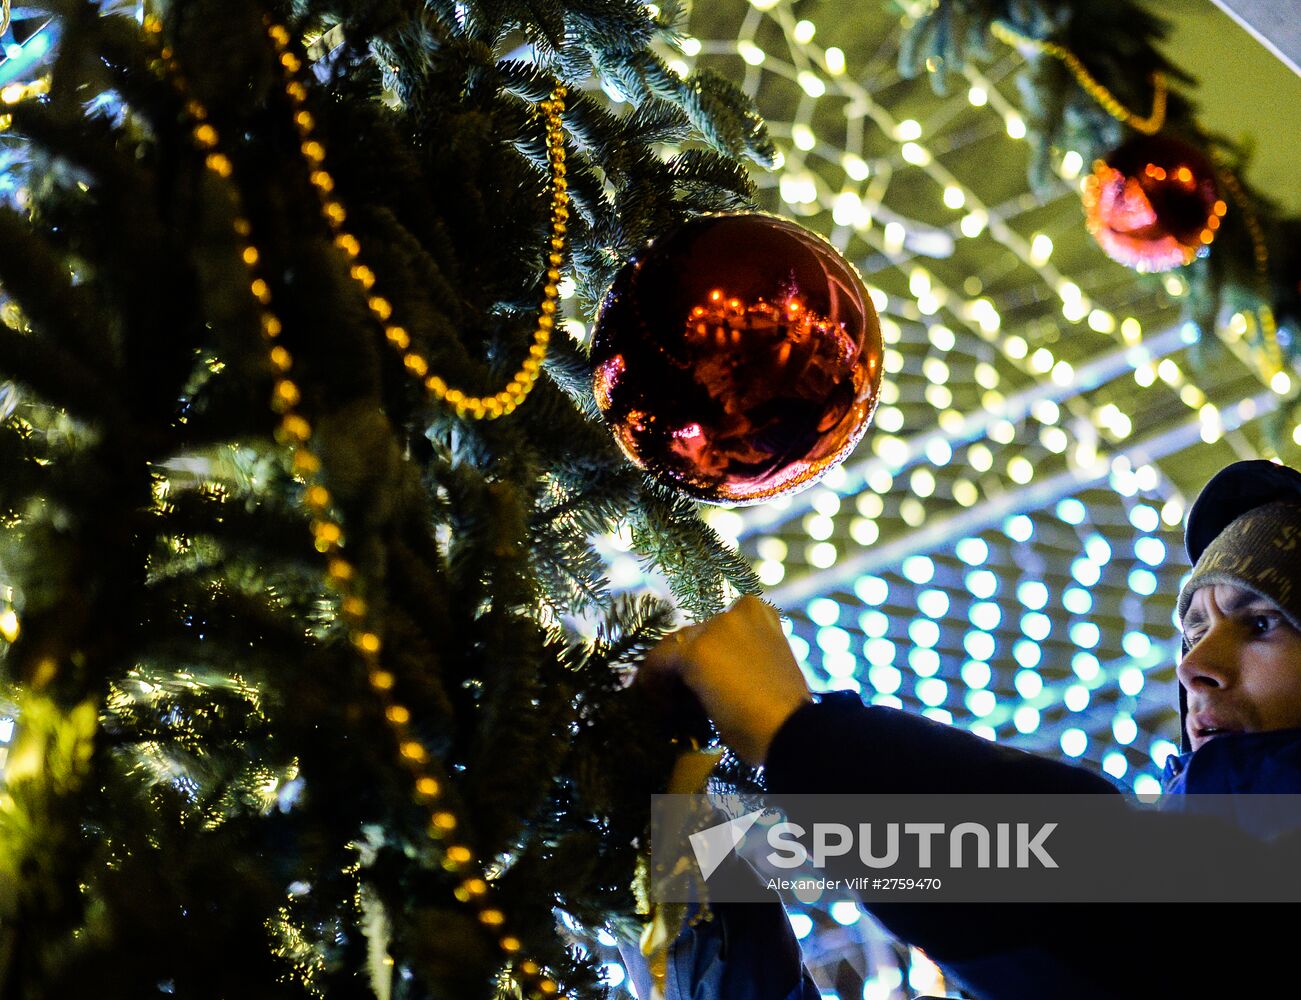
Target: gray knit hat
1260, 552
1245, 529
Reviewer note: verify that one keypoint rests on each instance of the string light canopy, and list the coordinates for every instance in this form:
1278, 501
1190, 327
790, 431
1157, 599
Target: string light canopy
1042, 405
1003, 552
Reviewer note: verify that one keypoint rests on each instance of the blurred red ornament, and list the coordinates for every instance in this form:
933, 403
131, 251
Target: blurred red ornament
737, 358
1153, 203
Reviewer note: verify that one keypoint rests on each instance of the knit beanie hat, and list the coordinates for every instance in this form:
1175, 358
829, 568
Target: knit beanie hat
1245, 529
1259, 552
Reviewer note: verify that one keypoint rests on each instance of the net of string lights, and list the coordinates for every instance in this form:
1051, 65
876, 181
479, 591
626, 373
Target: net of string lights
1003, 551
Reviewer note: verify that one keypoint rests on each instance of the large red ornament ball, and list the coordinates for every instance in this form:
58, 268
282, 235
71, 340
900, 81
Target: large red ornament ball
1153, 203
737, 358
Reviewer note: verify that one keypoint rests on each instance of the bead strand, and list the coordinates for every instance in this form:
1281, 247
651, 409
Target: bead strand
1105, 98
335, 215
294, 431
1273, 361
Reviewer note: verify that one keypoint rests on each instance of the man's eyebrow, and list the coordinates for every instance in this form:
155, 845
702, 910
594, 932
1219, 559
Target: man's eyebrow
1243, 599
1238, 601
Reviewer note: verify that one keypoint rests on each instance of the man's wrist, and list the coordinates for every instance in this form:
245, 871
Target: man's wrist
759, 753
835, 701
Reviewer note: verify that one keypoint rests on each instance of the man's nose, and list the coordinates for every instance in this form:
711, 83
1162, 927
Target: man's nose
1211, 663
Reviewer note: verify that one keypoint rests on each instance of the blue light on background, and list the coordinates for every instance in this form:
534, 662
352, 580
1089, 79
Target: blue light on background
976, 674
1086, 571
1142, 581
1071, 511
874, 623
1027, 653
1028, 684
985, 615
1032, 593
919, 569
1150, 550
879, 651
979, 645
981, 703
982, 583
1144, 518
1079, 601
884, 678
1085, 634
1019, 528
871, 590
933, 603
924, 662
823, 611
1098, 549
972, 551
924, 632
1036, 625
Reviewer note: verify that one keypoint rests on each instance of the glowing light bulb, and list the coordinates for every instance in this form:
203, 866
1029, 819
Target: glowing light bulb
811, 83
855, 166
973, 224
908, 130
917, 155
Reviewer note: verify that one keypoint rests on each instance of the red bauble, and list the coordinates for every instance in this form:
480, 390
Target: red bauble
738, 358
1153, 204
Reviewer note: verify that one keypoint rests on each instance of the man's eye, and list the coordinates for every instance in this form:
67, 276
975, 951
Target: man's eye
1263, 623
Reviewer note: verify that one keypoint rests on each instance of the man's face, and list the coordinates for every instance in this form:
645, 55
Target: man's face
1243, 672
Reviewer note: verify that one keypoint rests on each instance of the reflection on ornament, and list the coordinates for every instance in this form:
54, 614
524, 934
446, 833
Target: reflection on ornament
1153, 204
738, 358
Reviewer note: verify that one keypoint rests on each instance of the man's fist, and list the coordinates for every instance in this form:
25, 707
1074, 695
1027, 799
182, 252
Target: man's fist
740, 667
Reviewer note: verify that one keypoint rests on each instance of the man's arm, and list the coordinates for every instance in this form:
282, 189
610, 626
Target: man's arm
841, 745
740, 667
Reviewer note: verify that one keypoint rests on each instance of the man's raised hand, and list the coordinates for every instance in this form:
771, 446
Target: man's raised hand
740, 667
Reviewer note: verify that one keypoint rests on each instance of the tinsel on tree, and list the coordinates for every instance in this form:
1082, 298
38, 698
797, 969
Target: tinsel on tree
268, 593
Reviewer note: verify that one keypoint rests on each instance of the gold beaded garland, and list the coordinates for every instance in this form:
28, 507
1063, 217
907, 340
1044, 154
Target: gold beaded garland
1148, 126
521, 384
1272, 359
16, 93
295, 431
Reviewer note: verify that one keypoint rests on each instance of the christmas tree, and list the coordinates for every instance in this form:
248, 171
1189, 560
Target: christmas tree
320, 689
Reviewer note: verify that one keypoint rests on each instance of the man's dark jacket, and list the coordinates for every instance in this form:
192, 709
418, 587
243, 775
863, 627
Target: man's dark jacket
1020, 951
